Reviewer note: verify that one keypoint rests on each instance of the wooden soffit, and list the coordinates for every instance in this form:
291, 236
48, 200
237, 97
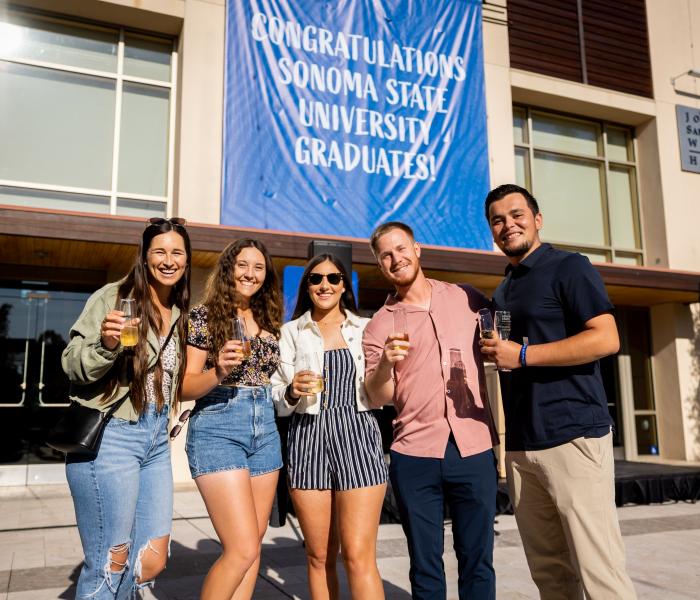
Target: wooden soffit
46, 239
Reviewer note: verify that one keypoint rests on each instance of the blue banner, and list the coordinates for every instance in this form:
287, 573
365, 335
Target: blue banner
342, 115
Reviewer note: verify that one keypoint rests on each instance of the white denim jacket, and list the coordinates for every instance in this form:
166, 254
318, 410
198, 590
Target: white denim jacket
302, 336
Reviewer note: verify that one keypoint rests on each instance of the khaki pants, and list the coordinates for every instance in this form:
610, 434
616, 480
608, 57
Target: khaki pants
564, 499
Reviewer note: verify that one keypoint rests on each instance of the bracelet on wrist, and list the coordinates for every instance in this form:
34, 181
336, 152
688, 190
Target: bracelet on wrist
523, 355
288, 395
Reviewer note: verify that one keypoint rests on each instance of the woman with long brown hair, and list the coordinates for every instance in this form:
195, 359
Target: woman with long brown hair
123, 497
233, 445
337, 474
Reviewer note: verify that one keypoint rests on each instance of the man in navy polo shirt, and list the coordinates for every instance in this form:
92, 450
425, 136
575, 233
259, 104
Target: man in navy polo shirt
559, 457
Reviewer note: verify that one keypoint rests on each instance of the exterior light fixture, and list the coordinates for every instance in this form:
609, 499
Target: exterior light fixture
689, 73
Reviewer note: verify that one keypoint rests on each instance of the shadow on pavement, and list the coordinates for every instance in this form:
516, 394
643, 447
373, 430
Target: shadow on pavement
187, 568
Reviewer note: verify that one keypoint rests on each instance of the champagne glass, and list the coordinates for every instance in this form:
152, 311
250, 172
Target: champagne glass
129, 336
310, 364
400, 331
485, 324
240, 334
502, 322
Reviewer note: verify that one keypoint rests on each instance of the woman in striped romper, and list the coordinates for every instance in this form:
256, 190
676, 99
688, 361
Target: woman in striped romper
337, 473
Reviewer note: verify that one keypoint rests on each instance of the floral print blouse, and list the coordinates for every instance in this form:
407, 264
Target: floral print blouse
256, 370
168, 361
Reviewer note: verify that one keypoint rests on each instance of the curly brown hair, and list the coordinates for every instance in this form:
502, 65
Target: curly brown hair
221, 299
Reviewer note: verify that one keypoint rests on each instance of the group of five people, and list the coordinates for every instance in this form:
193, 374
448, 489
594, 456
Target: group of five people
558, 442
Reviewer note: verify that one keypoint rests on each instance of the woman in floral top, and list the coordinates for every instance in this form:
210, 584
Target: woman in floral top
232, 442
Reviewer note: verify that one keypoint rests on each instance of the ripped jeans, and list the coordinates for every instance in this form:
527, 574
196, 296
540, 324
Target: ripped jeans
123, 500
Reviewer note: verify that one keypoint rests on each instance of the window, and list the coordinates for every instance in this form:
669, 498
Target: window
583, 174
86, 114
590, 41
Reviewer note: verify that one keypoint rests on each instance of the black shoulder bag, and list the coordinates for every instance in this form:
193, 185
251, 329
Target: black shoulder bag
80, 428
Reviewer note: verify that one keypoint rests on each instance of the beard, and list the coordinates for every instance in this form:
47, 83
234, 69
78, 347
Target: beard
518, 250
404, 279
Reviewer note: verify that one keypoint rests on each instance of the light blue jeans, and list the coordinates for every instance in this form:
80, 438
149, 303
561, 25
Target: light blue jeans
122, 497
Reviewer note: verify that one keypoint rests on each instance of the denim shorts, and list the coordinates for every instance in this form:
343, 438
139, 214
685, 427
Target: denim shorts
234, 428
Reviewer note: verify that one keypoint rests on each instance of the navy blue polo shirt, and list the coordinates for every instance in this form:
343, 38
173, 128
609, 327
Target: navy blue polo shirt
550, 295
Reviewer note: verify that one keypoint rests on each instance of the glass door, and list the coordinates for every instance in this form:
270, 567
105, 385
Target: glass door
610, 373
34, 326
636, 383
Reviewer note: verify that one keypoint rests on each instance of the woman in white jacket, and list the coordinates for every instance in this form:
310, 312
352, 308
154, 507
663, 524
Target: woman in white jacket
337, 474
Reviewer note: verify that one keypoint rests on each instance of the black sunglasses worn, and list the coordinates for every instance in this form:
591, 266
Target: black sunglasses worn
172, 220
317, 278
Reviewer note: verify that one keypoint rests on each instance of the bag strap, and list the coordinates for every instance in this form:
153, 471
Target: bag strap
118, 403
167, 340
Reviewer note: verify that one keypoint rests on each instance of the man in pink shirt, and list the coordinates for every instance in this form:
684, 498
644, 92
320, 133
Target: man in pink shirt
443, 432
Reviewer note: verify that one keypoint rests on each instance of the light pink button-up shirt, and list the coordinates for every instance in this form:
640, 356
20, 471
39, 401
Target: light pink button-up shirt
440, 386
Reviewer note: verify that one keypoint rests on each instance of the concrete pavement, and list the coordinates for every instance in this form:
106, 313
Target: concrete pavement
40, 552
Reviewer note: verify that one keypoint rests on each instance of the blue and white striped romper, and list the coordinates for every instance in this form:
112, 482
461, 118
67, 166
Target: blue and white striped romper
339, 448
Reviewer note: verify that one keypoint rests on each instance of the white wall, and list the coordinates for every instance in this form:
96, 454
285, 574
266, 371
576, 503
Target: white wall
674, 41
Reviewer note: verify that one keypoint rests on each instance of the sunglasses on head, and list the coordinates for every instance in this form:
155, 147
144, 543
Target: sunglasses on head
317, 278
172, 220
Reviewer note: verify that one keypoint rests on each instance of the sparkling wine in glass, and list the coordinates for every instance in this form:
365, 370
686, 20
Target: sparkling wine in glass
502, 322
129, 336
485, 324
309, 363
400, 330
317, 385
240, 334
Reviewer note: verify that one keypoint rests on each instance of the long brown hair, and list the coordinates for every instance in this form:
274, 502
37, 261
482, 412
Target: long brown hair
134, 364
222, 301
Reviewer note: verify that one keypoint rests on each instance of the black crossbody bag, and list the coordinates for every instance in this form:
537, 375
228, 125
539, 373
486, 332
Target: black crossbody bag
80, 428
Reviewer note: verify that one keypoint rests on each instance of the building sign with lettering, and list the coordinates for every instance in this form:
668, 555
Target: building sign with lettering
689, 137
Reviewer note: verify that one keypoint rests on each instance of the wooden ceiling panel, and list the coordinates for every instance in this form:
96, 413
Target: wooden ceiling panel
92, 244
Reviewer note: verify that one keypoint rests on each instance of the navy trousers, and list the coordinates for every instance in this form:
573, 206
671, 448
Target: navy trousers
422, 487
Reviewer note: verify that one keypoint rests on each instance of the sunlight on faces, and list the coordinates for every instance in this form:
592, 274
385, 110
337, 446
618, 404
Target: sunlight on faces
249, 271
514, 227
166, 259
325, 295
398, 257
